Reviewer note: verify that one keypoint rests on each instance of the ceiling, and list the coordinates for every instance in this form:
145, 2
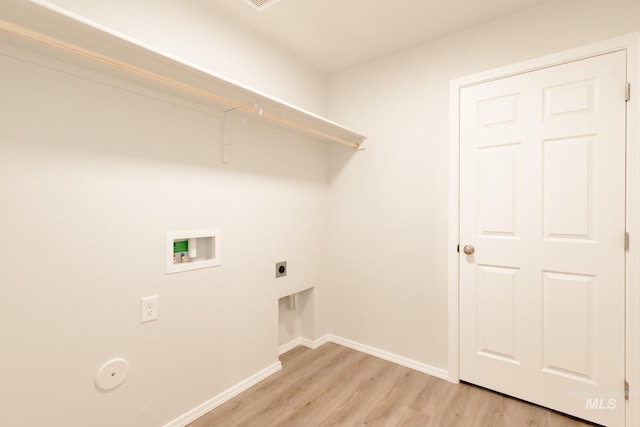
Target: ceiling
338, 34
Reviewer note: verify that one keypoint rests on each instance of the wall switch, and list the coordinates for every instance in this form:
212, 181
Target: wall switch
149, 309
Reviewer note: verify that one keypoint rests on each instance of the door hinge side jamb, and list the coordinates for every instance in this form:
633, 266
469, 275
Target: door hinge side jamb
626, 391
626, 241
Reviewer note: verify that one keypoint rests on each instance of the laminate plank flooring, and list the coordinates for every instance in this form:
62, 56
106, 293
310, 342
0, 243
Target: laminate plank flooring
336, 386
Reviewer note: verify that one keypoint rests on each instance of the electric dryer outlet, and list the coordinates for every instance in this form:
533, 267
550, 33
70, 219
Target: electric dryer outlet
281, 269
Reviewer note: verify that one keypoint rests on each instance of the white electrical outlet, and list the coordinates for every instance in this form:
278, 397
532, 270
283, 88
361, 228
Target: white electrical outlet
149, 309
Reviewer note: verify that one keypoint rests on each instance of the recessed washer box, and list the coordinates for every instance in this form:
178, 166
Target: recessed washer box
193, 249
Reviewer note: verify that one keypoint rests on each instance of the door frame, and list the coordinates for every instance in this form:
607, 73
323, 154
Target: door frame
630, 44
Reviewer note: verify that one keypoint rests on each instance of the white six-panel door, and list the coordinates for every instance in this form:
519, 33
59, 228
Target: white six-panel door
542, 207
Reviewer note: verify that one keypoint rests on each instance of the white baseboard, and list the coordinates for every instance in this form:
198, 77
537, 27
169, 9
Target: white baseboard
218, 400
399, 360
312, 344
303, 342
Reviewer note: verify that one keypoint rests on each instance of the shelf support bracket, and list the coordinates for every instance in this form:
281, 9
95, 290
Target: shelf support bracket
226, 147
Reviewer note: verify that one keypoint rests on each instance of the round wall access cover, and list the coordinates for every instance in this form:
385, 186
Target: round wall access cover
112, 374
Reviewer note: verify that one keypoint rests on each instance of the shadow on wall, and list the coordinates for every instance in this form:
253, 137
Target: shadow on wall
87, 109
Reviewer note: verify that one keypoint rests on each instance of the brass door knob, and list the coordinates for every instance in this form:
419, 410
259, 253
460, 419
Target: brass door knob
468, 249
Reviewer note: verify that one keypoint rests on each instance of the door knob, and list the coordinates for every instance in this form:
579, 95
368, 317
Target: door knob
469, 249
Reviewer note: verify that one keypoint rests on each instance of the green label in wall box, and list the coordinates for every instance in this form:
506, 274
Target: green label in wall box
180, 246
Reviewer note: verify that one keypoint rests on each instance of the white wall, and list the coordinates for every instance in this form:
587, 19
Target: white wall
388, 216
91, 178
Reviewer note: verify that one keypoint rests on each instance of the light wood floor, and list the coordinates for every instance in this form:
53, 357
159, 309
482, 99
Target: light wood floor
337, 386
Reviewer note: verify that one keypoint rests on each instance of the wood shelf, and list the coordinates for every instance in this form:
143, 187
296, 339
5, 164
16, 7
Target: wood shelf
41, 28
